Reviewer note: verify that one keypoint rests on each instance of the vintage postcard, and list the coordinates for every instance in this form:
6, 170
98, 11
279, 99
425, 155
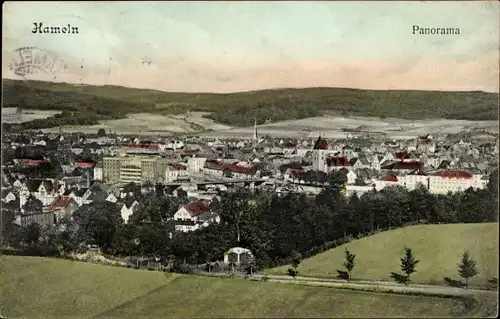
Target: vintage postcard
249, 159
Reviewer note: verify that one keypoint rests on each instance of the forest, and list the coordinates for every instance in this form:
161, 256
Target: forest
87, 105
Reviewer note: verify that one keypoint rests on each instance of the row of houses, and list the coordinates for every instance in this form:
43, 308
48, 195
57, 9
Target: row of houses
64, 202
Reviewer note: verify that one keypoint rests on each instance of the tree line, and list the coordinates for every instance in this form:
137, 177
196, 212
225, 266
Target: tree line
240, 109
274, 227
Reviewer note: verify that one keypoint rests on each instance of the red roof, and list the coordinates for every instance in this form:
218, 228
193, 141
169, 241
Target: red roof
147, 146
321, 144
404, 165
32, 162
390, 178
453, 174
84, 164
338, 161
297, 171
401, 155
239, 169
198, 208
290, 144
426, 141
58, 203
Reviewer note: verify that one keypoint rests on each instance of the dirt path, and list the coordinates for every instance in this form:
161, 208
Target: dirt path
396, 287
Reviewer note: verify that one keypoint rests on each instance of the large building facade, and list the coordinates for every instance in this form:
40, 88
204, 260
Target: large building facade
136, 169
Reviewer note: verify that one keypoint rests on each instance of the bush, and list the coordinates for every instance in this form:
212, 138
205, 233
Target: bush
402, 279
454, 283
493, 282
342, 274
292, 272
182, 269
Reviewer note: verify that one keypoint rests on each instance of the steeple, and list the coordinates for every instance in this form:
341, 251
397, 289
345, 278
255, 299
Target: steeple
321, 144
255, 134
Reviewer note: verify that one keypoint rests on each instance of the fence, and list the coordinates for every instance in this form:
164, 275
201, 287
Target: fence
32, 251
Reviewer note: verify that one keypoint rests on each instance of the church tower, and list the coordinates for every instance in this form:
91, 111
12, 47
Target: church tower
255, 133
319, 155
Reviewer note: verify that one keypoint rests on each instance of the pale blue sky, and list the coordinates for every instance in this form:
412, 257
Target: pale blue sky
248, 37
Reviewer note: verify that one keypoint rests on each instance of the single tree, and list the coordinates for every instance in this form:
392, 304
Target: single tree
234, 210
408, 264
349, 262
182, 194
33, 205
467, 268
228, 173
32, 233
294, 270
101, 132
97, 223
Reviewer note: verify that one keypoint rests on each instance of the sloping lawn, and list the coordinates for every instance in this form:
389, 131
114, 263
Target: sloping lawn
33, 287
438, 247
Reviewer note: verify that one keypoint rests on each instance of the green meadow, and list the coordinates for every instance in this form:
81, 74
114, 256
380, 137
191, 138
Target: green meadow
438, 247
35, 287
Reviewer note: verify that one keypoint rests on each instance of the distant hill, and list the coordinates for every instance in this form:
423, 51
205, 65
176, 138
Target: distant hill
438, 247
239, 109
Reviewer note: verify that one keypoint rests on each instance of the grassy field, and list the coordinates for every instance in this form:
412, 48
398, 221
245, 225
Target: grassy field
438, 247
239, 109
34, 287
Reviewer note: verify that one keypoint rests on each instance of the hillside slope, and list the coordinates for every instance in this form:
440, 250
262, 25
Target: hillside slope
35, 287
239, 109
438, 247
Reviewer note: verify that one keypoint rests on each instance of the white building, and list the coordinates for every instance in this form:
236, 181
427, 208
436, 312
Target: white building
195, 164
175, 171
8, 197
174, 145
126, 212
98, 172
359, 190
194, 216
441, 182
43, 190
351, 177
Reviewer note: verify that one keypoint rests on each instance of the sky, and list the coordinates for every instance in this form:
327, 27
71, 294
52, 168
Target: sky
242, 46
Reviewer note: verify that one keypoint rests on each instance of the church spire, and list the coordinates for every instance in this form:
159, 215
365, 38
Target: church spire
255, 134
321, 144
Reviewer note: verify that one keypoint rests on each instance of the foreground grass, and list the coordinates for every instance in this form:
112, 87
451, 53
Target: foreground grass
35, 287
438, 247
38, 287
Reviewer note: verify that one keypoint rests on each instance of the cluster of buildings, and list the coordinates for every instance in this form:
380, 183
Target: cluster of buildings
93, 169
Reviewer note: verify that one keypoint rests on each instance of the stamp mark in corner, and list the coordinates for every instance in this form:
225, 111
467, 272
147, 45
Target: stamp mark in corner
32, 60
